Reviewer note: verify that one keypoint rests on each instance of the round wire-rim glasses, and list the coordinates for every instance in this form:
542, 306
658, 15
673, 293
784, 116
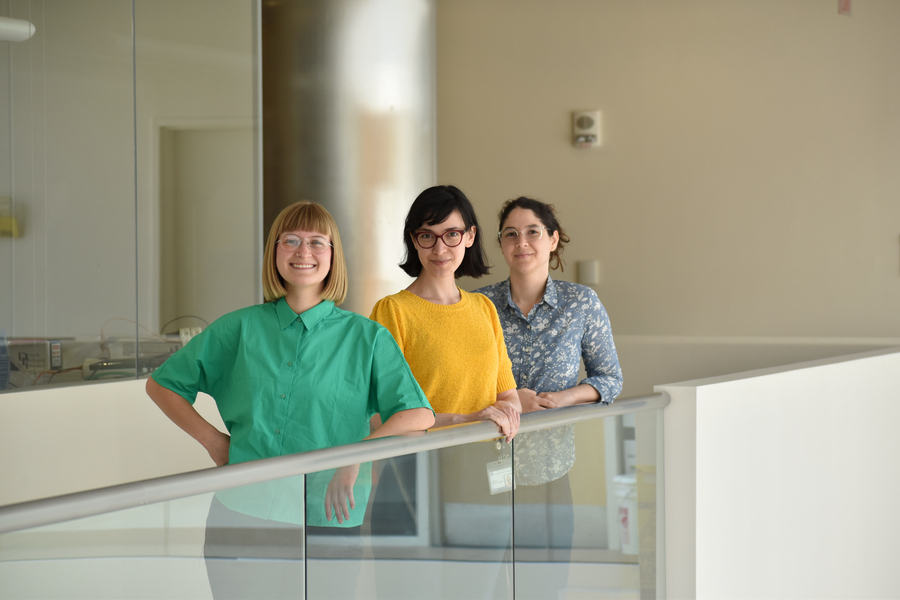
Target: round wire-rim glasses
427, 239
292, 243
529, 234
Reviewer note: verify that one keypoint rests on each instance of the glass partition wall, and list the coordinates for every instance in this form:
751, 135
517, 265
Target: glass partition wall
441, 523
128, 158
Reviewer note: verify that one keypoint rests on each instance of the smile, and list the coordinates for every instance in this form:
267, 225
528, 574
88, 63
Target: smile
299, 266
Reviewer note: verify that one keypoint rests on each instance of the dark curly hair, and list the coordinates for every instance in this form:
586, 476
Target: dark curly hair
546, 213
433, 206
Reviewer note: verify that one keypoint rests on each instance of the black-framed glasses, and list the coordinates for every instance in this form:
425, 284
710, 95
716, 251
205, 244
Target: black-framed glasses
291, 243
451, 238
529, 234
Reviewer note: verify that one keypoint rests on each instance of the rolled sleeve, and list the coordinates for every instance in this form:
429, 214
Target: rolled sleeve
189, 371
394, 388
598, 350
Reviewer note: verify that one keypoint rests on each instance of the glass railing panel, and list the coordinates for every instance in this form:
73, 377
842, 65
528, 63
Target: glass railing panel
254, 544
243, 542
432, 529
585, 515
153, 551
336, 546
585, 509
129, 151
67, 195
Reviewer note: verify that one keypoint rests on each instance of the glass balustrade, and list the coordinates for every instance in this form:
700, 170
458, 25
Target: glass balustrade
153, 551
129, 152
570, 511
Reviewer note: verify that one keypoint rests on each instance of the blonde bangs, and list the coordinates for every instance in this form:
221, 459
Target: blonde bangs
308, 217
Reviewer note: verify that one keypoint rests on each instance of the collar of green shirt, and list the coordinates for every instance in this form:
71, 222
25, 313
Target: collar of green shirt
309, 318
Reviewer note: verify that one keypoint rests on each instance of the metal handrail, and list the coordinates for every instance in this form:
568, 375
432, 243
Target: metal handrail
35, 513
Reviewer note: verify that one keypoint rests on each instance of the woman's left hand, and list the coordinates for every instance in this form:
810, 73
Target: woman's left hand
512, 416
552, 399
580, 394
339, 495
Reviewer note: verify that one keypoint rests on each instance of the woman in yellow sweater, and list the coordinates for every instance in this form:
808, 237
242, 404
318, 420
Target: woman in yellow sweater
452, 340
453, 343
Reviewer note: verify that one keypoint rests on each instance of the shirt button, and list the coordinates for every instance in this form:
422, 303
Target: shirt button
528, 326
282, 395
290, 363
277, 431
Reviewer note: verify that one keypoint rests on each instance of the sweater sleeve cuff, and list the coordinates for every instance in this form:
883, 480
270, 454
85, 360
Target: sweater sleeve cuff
505, 381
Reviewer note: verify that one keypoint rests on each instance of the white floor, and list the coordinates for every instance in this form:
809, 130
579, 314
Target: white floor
185, 578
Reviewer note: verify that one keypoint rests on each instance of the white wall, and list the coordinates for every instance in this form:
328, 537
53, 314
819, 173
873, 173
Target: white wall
783, 482
62, 440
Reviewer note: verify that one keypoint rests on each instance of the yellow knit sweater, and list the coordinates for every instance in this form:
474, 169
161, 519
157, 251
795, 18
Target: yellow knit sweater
456, 352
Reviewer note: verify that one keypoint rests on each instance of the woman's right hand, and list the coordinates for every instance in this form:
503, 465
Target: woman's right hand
182, 413
530, 400
218, 446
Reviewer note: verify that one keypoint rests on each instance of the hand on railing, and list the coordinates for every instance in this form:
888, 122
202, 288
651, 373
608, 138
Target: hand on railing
339, 495
580, 394
504, 415
531, 402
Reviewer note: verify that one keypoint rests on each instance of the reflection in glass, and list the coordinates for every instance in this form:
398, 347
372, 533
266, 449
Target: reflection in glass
590, 523
335, 550
67, 184
254, 540
477, 523
152, 551
430, 528
128, 147
544, 513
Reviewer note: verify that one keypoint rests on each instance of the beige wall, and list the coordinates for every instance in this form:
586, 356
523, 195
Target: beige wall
747, 184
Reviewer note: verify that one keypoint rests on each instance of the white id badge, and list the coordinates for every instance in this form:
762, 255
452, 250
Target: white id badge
500, 478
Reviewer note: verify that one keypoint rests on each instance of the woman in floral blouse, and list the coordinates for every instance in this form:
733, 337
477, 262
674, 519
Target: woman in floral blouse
549, 327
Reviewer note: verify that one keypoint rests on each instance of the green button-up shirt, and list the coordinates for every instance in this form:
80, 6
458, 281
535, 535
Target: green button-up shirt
287, 383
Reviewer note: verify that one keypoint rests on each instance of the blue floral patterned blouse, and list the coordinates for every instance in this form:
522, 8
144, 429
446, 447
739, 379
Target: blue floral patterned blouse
546, 348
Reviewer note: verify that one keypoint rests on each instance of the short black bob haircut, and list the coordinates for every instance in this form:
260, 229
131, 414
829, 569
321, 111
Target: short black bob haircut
432, 207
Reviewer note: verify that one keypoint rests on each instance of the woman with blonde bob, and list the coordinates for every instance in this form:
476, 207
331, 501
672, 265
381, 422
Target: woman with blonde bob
293, 374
